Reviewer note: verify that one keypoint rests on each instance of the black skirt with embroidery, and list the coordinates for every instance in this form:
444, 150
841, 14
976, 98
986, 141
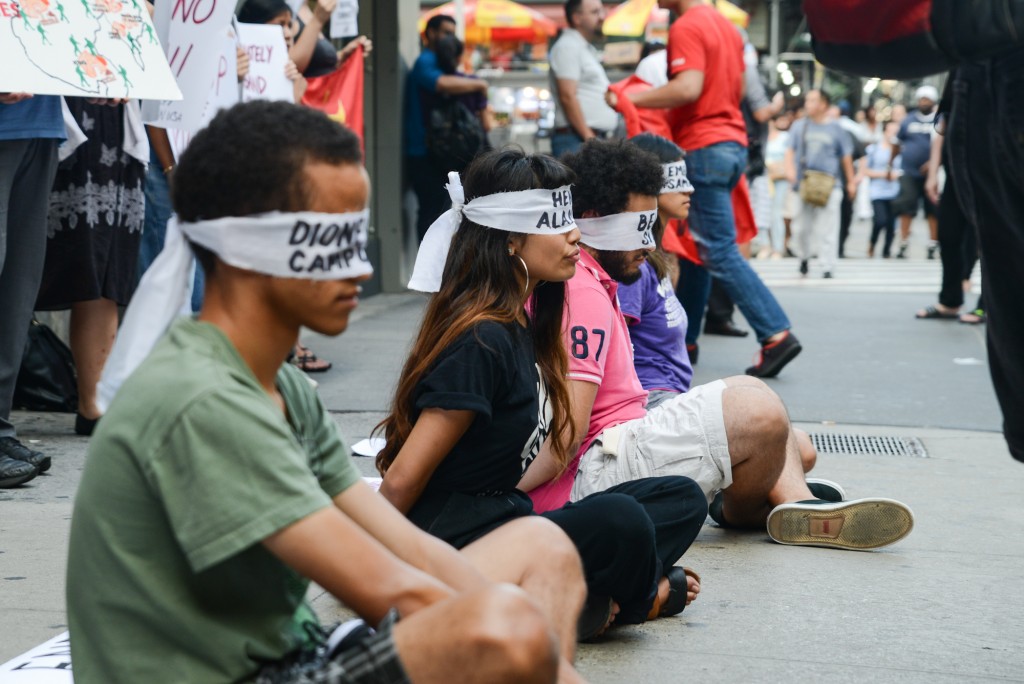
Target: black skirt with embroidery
97, 208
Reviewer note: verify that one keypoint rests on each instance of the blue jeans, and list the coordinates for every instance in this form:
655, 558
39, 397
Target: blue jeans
564, 142
154, 227
714, 171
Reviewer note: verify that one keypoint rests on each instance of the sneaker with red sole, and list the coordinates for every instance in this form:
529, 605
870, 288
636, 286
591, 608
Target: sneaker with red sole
773, 357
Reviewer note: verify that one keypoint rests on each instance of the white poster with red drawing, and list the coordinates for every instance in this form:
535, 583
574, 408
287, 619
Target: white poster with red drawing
85, 48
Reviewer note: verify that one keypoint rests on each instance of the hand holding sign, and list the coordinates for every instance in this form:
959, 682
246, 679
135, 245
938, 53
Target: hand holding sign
13, 98
268, 77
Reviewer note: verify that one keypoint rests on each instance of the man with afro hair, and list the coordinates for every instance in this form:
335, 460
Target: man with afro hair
732, 436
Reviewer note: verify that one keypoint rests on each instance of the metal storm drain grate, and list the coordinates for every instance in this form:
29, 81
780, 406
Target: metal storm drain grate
868, 445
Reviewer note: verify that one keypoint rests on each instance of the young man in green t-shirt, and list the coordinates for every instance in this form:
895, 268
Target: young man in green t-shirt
217, 487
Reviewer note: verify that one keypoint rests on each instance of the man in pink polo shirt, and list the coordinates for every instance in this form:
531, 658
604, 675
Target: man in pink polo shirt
732, 436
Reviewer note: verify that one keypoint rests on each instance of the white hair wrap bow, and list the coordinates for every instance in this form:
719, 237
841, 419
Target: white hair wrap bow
535, 212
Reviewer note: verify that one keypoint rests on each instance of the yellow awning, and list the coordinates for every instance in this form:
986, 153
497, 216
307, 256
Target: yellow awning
629, 20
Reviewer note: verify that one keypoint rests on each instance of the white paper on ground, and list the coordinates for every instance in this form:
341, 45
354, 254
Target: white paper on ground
368, 447
47, 663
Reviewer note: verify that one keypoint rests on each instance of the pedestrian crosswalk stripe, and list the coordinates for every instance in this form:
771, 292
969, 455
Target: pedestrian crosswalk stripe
859, 276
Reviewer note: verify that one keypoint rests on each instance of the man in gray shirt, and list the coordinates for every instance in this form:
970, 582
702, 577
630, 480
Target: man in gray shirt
579, 80
817, 143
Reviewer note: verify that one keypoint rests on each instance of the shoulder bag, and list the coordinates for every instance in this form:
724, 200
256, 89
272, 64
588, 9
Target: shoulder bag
815, 186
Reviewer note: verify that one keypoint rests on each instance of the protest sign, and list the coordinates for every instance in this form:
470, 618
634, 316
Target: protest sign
340, 94
268, 57
345, 19
223, 94
190, 31
48, 663
91, 48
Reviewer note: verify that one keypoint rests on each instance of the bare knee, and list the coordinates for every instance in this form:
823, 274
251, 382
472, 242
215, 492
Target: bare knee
552, 550
511, 635
756, 421
808, 454
749, 381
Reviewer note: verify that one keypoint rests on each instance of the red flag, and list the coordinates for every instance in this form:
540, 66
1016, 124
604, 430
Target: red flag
639, 119
339, 94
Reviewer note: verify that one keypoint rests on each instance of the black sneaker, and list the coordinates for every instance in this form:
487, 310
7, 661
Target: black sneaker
803, 267
932, 249
827, 275
855, 525
12, 448
773, 357
715, 511
724, 328
901, 253
14, 472
826, 490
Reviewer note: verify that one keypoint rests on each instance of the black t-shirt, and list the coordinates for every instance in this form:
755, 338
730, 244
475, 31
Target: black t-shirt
490, 370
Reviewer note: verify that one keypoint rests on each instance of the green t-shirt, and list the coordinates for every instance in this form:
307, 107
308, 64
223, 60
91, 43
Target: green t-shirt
193, 466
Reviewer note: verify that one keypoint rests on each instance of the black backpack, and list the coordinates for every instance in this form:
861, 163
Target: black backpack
454, 134
46, 380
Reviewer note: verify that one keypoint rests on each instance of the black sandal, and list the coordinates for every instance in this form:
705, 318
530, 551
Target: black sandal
934, 312
677, 590
307, 361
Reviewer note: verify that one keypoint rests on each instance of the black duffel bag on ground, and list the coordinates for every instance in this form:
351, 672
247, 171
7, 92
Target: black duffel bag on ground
46, 380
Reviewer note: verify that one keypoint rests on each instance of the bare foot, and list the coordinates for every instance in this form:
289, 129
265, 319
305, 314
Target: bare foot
692, 585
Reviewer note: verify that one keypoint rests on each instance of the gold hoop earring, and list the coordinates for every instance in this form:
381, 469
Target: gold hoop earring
526, 270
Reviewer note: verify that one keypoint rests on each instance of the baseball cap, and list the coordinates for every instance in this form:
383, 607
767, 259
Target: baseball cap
927, 92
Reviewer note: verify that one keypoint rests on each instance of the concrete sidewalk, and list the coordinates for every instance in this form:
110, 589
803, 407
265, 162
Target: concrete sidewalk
944, 605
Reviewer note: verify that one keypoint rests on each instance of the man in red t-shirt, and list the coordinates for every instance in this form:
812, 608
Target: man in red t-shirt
705, 64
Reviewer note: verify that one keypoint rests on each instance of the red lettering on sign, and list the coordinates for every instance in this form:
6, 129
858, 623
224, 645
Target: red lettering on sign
192, 7
174, 59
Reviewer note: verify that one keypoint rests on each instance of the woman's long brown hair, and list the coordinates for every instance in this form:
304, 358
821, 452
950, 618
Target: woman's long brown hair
481, 282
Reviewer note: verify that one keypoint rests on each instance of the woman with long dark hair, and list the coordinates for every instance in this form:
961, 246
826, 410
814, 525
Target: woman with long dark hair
484, 391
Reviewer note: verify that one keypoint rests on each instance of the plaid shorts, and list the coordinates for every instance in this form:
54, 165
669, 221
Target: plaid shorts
364, 656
